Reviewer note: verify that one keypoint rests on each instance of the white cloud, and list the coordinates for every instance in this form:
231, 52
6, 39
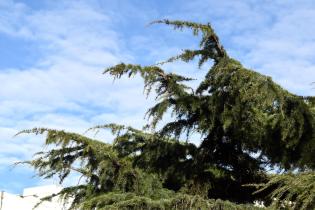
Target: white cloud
66, 89
11, 18
272, 37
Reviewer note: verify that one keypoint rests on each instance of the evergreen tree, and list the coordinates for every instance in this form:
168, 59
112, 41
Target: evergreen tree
246, 123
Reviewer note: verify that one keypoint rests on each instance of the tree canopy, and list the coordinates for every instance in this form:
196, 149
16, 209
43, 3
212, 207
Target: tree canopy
246, 121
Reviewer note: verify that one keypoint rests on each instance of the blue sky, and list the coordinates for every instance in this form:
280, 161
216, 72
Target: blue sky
52, 54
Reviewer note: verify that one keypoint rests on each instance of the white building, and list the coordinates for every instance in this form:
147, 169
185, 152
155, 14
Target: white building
30, 197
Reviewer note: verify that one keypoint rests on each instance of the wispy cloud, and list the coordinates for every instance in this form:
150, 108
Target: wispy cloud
272, 37
65, 89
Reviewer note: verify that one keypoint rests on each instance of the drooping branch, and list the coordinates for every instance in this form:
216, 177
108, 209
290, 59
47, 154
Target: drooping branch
294, 191
166, 83
210, 45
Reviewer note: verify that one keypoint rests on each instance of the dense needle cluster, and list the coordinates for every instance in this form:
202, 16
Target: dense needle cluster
247, 123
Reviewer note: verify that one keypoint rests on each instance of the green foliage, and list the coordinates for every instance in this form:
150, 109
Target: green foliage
210, 47
291, 191
245, 120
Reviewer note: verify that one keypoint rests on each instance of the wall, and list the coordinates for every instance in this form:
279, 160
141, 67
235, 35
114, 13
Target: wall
30, 197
